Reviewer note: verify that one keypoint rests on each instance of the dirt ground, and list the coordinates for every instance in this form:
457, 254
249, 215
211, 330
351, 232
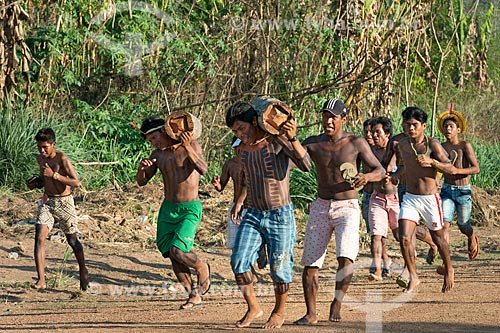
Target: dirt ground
133, 289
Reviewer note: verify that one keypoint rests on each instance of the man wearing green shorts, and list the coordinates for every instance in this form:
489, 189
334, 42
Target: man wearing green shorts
181, 164
177, 224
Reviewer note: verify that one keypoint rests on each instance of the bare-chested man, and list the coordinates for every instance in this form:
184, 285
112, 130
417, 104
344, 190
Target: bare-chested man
422, 233
384, 204
57, 177
267, 161
336, 208
421, 198
181, 164
456, 194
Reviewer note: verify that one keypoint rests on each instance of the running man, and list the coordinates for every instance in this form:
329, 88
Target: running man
181, 163
267, 161
384, 203
336, 208
421, 198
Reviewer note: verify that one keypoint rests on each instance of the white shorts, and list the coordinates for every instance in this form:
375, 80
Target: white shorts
232, 229
325, 216
426, 206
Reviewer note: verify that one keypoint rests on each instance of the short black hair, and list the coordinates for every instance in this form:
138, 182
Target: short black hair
242, 111
452, 118
46, 134
385, 122
152, 124
415, 113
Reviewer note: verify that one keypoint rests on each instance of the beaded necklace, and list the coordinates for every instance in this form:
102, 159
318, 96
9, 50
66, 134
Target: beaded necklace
426, 140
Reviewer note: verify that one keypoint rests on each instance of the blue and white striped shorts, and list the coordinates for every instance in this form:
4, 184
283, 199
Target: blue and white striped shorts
277, 228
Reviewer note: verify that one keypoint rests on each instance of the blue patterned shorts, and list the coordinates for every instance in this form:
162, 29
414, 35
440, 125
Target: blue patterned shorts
277, 228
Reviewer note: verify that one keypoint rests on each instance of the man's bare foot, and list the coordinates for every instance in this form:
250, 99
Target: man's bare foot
190, 305
274, 321
449, 281
249, 317
473, 246
38, 285
307, 320
387, 269
412, 285
193, 301
375, 277
335, 311
84, 280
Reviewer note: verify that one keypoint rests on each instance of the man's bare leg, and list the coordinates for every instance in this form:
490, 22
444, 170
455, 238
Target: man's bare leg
472, 240
424, 236
190, 260
181, 263
245, 283
376, 250
406, 235
254, 272
387, 262
466, 230
80, 258
444, 251
446, 231
277, 317
41, 232
310, 282
183, 275
343, 279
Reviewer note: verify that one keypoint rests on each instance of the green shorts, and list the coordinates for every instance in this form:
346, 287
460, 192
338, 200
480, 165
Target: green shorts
177, 224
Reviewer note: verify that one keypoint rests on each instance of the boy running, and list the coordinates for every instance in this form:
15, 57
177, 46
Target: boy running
57, 177
456, 194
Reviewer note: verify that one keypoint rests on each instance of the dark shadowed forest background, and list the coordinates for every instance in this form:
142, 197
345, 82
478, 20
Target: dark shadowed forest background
89, 68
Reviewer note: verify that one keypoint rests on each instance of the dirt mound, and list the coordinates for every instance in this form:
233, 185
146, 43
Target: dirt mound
127, 214
485, 207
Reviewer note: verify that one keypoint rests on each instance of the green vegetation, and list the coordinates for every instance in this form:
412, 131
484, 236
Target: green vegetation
90, 71
59, 278
489, 162
17, 147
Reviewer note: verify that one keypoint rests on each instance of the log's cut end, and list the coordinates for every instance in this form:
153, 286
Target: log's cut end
180, 122
272, 113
